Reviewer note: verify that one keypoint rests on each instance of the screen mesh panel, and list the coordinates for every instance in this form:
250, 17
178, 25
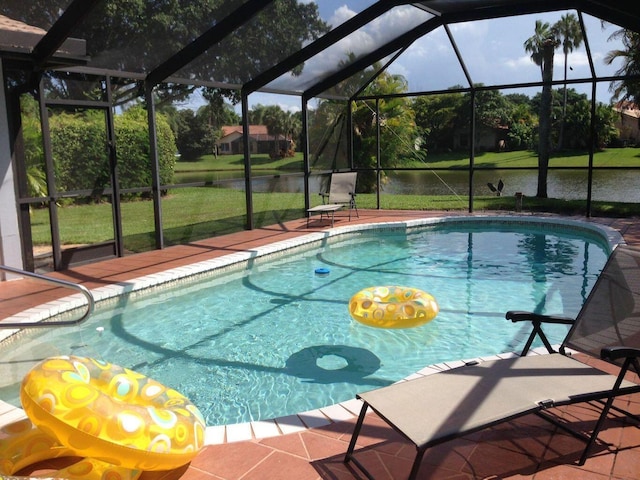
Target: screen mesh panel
611, 315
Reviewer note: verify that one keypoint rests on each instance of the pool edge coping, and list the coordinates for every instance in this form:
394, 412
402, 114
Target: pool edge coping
323, 416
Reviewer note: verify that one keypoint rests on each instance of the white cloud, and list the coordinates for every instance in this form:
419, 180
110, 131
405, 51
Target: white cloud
362, 41
492, 50
517, 63
341, 15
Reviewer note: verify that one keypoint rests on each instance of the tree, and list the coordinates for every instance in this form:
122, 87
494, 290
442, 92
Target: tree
544, 125
569, 32
522, 123
218, 112
393, 114
542, 46
626, 89
195, 136
33, 147
435, 117
492, 109
605, 125
138, 35
533, 45
276, 123
327, 135
395, 117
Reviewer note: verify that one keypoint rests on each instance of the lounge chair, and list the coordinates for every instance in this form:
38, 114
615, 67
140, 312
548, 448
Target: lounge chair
436, 408
342, 192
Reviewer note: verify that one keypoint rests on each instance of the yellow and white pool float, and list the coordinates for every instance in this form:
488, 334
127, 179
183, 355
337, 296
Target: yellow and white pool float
122, 421
393, 307
22, 444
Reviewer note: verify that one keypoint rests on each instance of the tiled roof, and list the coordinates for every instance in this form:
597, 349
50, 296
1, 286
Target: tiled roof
253, 129
19, 36
627, 108
7, 23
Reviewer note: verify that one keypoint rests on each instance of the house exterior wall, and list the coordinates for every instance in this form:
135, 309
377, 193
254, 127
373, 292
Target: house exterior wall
260, 141
226, 144
628, 124
487, 139
10, 245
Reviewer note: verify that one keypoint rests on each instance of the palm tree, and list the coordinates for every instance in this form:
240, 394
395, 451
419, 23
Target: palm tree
569, 32
533, 45
626, 89
276, 123
544, 126
542, 46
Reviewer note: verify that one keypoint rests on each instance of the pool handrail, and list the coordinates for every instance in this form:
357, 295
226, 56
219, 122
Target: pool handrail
55, 281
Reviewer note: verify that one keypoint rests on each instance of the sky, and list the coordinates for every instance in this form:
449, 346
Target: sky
492, 51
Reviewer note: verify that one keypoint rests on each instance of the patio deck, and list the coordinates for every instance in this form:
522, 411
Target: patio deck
528, 448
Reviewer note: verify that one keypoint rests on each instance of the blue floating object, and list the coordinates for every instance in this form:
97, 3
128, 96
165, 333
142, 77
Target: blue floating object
322, 272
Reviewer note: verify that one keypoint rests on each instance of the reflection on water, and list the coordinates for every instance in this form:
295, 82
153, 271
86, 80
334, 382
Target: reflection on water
608, 185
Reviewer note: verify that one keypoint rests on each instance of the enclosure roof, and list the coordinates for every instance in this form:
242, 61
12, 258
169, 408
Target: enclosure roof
232, 44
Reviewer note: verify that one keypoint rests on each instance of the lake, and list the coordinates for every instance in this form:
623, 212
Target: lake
608, 185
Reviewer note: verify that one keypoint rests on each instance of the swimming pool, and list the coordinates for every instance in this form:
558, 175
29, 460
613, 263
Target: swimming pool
271, 338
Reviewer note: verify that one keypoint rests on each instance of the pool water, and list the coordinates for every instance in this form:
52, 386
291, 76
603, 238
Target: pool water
274, 338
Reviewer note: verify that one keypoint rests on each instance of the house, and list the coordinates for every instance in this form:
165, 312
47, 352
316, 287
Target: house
259, 140
628, 122
487, 138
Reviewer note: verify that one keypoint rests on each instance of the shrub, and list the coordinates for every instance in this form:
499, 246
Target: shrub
80, 152
132, 138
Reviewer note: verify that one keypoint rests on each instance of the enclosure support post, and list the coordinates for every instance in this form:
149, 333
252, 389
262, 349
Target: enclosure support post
378, 162
155, 168
350, 152
113, 166
247, 159
305, 152
592, 141
592, 129
51, 180
472, 143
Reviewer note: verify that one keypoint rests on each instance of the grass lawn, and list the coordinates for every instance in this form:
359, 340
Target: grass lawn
191, 214
236, 162
612, 157
194, 213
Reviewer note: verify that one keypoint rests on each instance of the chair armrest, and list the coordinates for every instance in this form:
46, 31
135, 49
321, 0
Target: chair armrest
616, 353
522, 316
536, 327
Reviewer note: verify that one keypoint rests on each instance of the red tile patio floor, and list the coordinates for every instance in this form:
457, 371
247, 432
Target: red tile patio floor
527, 448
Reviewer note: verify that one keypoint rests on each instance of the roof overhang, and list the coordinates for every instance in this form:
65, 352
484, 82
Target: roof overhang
18, 41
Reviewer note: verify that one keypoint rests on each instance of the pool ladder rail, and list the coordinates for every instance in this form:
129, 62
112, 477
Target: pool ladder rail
55, 281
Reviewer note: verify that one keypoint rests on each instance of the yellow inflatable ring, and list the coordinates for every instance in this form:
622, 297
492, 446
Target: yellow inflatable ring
22, 445
112, 414
393, 307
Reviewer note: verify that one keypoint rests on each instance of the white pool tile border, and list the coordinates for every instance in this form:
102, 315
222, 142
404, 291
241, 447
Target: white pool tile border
314, 418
